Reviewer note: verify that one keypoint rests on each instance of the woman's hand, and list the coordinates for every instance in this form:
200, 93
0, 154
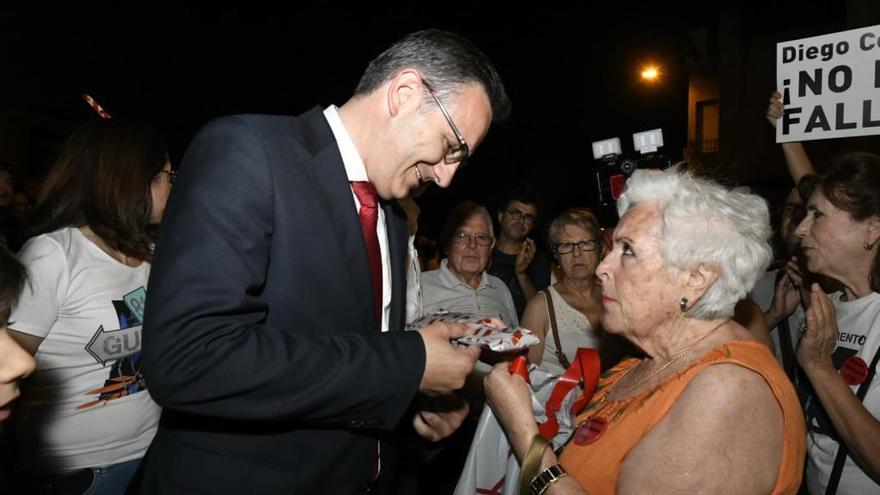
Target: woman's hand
820, 338
511, 401
775, 108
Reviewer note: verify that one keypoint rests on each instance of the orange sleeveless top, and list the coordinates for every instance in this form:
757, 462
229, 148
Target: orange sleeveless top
595, 463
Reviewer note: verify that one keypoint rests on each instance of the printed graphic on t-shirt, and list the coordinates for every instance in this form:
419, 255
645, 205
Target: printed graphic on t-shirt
817, 419
123, 347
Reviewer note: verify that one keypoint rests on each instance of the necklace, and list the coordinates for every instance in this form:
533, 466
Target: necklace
684, 352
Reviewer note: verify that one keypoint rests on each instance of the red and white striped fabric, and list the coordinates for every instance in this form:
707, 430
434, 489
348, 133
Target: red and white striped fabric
491, 468
96, 106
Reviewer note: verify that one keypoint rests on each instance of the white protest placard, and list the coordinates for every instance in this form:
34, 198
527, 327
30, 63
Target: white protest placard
830, 85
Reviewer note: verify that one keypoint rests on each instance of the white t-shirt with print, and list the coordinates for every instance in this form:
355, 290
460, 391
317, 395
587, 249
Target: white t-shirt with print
859, 336
86, 405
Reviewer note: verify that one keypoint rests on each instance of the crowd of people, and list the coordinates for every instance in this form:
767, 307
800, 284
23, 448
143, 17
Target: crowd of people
163, 336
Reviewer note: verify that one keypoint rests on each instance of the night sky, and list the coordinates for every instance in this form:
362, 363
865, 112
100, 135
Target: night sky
572, 73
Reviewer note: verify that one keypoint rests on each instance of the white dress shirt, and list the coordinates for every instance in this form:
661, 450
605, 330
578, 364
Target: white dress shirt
356, 171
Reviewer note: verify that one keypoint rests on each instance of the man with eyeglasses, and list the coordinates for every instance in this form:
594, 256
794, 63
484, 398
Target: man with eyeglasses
516, 259
461, 284
274, 329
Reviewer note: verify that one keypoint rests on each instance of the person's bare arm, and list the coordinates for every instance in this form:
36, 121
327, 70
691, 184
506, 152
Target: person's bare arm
535, 319
796, 159
700, 446
511, 401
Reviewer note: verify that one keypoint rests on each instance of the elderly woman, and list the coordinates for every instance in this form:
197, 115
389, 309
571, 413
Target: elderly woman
840, 237
576, 299
707, 410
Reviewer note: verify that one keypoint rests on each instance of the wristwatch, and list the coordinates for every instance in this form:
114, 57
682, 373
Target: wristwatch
547, 477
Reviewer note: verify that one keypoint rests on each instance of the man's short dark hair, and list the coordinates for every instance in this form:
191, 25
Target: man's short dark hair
526, 195
446, 60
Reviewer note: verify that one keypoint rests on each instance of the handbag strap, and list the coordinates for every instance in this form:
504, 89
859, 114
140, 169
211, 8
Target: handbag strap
559, 354
842, 451
789, 361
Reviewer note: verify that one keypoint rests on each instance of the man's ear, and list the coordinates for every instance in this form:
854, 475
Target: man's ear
404, 93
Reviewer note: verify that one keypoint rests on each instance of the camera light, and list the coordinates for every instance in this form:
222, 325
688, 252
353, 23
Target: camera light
606, 148
648, 141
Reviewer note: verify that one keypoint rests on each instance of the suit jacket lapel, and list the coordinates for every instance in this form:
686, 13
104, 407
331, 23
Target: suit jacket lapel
398, 234
327, 174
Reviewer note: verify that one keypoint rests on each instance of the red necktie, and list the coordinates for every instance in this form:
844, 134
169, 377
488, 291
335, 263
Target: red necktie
369, 213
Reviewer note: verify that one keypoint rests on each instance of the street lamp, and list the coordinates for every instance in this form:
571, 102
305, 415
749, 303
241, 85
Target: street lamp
650, 73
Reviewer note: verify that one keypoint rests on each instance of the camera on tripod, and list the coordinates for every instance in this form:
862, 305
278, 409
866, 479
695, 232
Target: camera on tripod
613, 169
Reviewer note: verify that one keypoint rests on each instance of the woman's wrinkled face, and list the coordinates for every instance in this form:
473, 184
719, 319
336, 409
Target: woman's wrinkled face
637, 291
578, 264
831, 240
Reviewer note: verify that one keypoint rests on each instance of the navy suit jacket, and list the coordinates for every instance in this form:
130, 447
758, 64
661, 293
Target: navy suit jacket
260, 337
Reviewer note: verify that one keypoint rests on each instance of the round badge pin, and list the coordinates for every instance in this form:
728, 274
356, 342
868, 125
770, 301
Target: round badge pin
854, 370
589, 430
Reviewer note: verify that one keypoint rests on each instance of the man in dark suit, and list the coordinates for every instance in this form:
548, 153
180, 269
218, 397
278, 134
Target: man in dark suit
272, 336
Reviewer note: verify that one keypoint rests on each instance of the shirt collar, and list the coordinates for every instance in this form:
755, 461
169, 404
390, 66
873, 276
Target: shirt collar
354, 165
450, 280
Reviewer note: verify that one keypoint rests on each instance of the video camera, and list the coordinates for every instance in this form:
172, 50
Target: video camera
613, 169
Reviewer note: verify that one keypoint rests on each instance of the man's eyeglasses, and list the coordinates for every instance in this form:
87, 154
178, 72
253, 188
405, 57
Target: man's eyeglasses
521, 216
464, 238
583, 246
456, 154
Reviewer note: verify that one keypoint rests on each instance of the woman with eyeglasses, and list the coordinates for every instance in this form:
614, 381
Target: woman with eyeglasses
575, 301
86, 416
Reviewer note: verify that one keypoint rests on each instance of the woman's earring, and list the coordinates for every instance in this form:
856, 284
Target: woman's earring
683, 304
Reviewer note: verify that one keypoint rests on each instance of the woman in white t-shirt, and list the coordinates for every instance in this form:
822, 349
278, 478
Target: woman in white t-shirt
576, 243
86, 417
840, 238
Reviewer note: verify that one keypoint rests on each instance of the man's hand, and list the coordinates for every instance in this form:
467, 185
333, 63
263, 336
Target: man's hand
525, 256
446, 364
786, 297
439, 417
